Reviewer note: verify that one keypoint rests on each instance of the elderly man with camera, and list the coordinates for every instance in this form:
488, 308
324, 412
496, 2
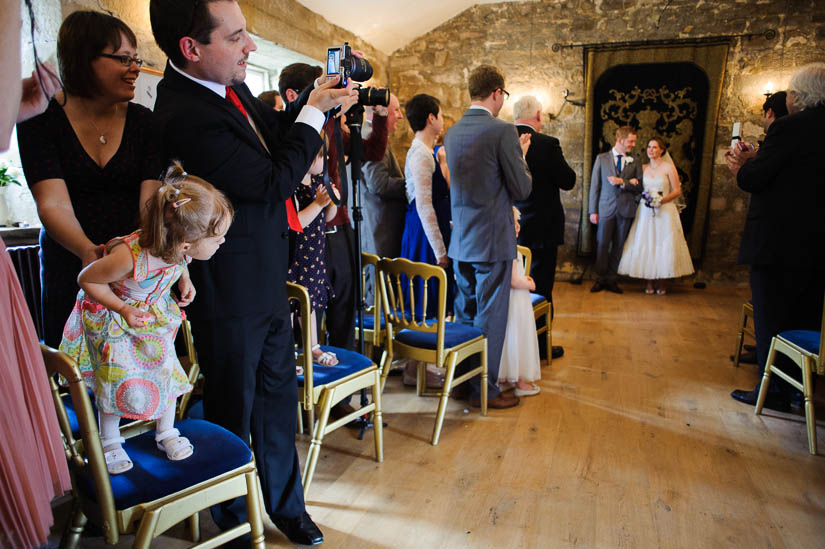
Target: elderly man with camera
785, 226
257, 156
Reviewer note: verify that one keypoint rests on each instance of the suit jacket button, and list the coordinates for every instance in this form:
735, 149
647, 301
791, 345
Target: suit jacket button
285, 235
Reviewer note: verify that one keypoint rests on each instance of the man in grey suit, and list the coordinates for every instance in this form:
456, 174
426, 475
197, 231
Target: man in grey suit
615, 187
384, 198
487, 173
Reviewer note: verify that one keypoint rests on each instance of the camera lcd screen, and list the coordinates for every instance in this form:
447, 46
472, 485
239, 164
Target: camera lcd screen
333, 60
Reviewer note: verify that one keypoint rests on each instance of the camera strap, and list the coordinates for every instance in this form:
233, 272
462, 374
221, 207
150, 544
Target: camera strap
342, 168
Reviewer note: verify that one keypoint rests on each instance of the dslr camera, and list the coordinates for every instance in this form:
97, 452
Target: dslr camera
341, 61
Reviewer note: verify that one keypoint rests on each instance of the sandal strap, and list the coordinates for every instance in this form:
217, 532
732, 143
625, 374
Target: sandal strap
159, 437
104, 442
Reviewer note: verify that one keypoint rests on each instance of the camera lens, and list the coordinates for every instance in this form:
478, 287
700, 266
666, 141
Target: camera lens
372, 97
360, 69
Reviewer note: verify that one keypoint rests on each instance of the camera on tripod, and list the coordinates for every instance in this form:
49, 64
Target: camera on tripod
340, 61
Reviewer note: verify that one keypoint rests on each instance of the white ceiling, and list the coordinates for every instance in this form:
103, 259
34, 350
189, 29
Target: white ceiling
390, 24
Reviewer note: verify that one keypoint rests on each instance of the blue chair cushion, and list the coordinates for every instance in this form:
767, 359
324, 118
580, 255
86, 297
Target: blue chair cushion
807, 339
535, 299
455, 333
349, 362
196, 411
369, 322
153, 476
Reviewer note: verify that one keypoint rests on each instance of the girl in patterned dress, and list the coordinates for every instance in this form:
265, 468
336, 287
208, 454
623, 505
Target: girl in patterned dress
309, 268
122, 329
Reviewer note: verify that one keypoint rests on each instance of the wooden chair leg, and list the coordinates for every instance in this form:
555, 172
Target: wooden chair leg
766, 379
484, 378
74, 528
386, 358
317, 439
194, 525
810, 418
445, 396
377, 419
548, 322
300, 419
740, 339
253, 511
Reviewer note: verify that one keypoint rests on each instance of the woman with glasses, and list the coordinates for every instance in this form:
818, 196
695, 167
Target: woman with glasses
88, 158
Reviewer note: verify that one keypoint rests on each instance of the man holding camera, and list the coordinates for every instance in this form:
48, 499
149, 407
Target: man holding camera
487, 173
257, 156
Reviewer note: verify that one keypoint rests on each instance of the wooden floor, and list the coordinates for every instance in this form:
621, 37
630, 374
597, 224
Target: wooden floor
633, 442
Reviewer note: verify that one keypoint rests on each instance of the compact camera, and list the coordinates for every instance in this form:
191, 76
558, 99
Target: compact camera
340, 61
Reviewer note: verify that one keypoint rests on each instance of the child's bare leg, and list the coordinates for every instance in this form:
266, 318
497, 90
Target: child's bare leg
324, 358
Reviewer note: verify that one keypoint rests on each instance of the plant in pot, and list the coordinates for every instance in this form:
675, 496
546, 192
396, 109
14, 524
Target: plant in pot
7, 180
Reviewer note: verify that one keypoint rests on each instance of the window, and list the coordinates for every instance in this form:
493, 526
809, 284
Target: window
257, 79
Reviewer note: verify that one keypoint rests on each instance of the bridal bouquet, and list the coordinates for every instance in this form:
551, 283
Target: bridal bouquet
652, 201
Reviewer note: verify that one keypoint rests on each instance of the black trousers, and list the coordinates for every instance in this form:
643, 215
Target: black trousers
340, 259
251, 389
784, 299
543, 271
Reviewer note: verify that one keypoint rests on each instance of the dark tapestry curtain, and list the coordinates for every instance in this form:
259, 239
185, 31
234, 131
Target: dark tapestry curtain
671, 92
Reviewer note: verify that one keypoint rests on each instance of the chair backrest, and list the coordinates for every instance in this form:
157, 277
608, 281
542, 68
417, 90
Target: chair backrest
528, 258
370, 262
190, 365
91, 454
820, 361
300, 295
405, 303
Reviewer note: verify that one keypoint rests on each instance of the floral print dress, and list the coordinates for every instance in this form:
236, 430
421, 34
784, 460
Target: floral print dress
134, 372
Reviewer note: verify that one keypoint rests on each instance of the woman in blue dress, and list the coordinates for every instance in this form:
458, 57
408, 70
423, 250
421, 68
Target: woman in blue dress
426, 235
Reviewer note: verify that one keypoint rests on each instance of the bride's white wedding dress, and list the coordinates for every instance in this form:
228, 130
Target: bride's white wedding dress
655, 247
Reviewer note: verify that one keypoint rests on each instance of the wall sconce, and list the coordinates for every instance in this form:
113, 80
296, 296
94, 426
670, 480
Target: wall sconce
768, 89
566, 95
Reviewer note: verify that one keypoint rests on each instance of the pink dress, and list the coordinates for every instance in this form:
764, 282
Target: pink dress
32, 462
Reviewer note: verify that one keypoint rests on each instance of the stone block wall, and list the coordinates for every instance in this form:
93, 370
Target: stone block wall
517, 37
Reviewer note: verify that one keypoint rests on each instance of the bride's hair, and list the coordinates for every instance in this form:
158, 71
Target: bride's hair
661, 142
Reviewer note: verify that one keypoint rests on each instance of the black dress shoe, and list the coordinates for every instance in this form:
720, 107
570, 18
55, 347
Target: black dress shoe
597, 287
774, 402
300, 530
613, 287
557, 352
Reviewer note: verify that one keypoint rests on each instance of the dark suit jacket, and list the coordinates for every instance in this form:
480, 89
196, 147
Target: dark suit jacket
542, 215
214, 141
786, 218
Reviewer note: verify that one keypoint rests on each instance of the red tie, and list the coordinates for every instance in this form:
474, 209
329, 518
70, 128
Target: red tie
291, 213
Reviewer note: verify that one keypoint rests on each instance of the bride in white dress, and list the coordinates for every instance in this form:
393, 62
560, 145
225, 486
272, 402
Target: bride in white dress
655, 248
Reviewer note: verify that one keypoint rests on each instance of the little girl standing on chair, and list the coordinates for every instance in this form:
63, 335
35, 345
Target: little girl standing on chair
309, 268
520, 355
122, 329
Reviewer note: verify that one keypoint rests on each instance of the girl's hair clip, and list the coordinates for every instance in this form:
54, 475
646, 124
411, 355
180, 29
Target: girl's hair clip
177, 204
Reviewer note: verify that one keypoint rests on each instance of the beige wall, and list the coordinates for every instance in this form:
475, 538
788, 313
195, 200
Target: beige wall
518, 39
284, 22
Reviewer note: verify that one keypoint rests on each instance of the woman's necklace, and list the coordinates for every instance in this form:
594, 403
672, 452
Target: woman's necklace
102, 134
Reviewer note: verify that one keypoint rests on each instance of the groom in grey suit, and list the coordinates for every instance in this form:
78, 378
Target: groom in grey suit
615, 187
487, 173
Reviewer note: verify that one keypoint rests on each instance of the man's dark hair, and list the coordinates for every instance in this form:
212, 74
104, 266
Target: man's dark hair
419, 109
484, 80
174, 19
269, 97
82, 38
298, 77
776, 102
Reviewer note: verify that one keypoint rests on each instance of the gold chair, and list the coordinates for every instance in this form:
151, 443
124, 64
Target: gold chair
374, 331
747, 312
804, 347
541, 306
156, 493
326, 386
410, 335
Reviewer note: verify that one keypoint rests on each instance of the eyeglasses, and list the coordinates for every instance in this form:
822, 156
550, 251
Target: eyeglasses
125, 60
505, 92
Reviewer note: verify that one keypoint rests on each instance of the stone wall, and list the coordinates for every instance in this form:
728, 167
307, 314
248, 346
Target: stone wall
283, 22
517, 37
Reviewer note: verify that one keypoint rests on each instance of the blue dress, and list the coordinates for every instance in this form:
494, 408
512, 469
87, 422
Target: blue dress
416, 247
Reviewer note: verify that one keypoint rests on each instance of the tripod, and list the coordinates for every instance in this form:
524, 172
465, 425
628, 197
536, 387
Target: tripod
354, 121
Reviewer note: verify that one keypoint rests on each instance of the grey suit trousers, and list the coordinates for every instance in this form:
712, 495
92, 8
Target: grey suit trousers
611, 234
482, 301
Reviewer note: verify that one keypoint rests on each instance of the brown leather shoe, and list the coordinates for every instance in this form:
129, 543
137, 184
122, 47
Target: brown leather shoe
499, 403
